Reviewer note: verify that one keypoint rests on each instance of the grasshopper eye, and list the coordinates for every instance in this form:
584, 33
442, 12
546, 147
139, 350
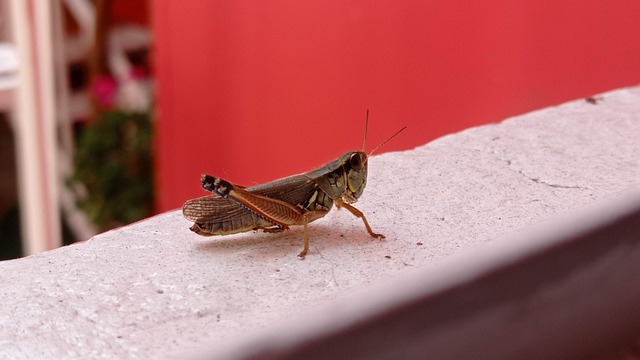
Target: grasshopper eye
356, 162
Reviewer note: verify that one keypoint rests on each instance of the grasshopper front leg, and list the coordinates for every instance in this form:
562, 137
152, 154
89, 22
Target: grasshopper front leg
341, 203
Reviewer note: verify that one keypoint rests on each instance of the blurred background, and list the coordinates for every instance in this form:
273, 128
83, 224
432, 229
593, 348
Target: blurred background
111, 110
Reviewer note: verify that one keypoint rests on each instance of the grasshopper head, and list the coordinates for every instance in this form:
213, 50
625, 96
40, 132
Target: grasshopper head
355, 165
346, 176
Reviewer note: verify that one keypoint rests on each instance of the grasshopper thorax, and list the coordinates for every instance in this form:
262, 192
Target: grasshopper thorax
344, 177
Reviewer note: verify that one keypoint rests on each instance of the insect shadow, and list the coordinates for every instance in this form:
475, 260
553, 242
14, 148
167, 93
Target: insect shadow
268, 245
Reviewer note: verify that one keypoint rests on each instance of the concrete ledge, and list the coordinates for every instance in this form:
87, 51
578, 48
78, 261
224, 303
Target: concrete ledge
565, 290
155, 290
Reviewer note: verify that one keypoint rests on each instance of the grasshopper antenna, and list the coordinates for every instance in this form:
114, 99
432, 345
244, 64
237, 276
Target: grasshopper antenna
386, 141
366, 128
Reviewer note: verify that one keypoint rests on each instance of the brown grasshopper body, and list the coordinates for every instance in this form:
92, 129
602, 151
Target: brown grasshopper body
276, 205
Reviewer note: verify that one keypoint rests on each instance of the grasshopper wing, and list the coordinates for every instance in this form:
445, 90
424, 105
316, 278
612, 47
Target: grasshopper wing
211, 208
215, 215
278, 204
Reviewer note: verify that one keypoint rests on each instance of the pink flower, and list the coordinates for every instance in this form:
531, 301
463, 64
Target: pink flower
105, 90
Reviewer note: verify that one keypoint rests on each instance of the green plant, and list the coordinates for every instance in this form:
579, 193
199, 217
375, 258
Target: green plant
113, 161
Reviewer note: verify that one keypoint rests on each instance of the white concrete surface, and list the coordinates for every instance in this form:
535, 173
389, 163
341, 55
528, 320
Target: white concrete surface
155, 290
564, 289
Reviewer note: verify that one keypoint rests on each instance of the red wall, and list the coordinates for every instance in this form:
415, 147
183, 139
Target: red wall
254, 90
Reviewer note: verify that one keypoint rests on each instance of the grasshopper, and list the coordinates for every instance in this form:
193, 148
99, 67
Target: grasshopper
278, 204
